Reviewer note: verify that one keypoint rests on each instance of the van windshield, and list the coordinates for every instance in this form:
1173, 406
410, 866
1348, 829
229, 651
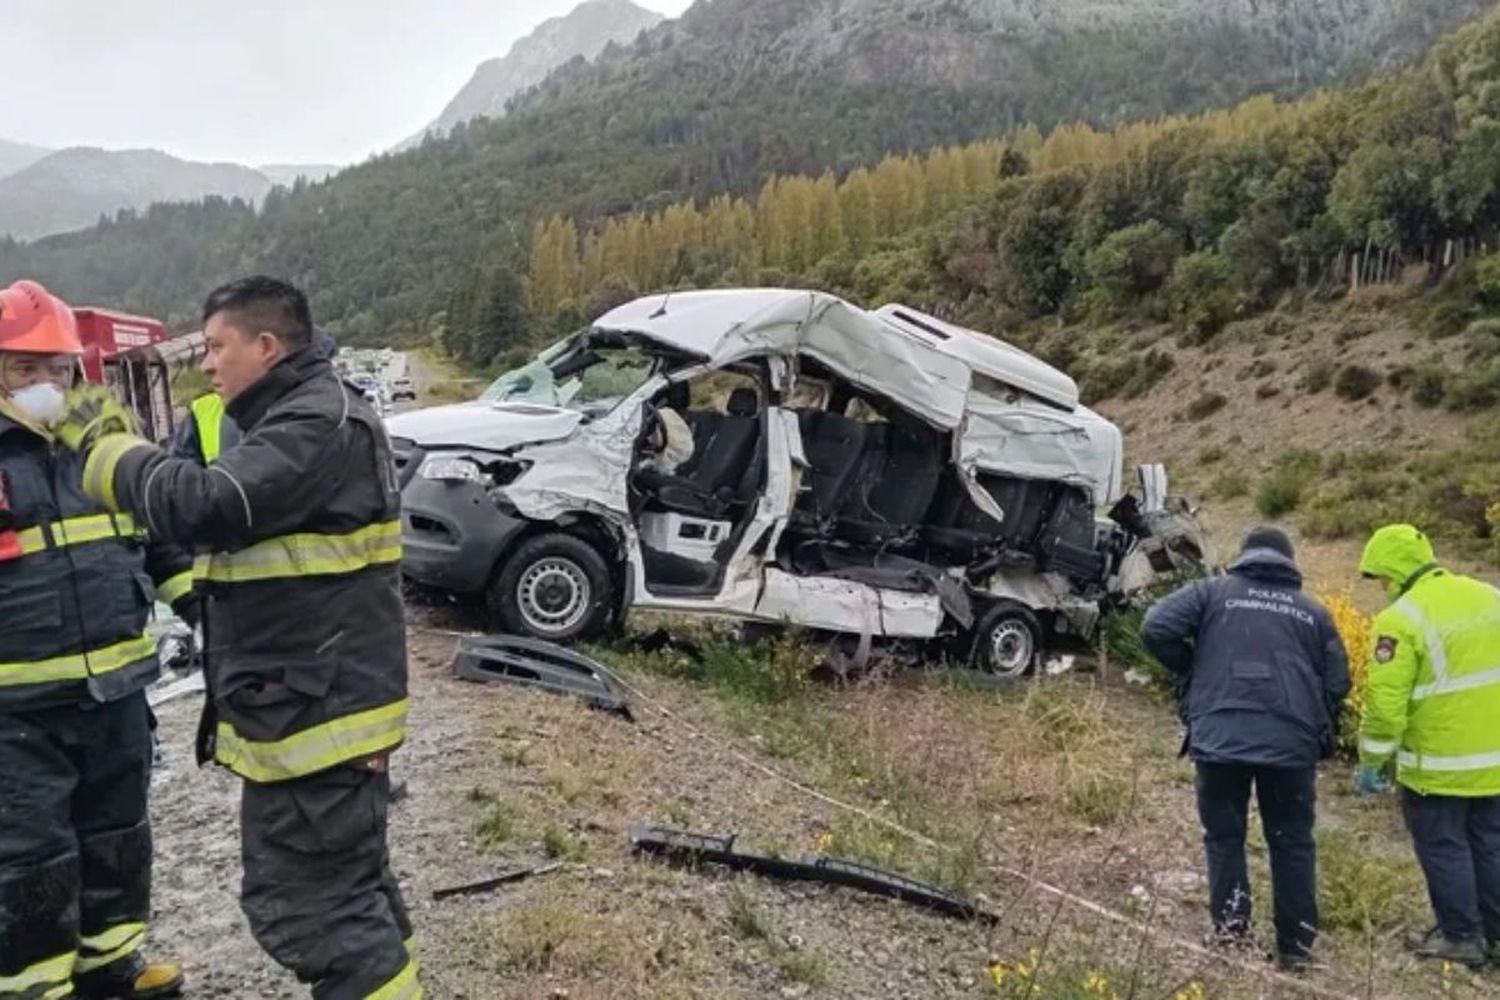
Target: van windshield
574, 376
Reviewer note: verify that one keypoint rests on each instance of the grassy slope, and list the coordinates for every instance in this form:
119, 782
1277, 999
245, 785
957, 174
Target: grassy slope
1074, 780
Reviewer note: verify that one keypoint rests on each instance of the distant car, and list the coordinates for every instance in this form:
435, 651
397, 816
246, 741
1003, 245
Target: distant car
403, 388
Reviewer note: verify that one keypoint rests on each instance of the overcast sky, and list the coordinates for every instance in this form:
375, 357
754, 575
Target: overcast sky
251, 81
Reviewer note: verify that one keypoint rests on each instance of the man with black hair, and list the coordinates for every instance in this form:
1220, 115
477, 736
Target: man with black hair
298, 534
1265, 675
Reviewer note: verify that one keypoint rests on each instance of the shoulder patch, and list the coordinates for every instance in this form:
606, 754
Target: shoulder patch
1385, 648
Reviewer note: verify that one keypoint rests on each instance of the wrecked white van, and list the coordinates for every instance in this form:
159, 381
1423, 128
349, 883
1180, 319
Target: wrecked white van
875, 474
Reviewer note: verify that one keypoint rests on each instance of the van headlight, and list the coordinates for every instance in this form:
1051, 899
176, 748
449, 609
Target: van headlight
451, 469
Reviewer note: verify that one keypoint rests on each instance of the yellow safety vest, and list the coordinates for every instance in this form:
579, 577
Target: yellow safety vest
208, 415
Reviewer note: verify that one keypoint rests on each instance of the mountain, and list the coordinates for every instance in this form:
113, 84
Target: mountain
18, 155
733, 91
72, 188
287, 174
582, 33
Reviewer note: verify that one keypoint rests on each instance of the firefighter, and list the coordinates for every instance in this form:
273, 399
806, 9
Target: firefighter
298, 534
75, 729
1432, 707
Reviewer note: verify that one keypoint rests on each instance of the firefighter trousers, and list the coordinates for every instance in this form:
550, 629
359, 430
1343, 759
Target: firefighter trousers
318, 887
75, 842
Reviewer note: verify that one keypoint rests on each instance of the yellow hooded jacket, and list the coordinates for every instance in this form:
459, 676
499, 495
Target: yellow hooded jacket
1433, 700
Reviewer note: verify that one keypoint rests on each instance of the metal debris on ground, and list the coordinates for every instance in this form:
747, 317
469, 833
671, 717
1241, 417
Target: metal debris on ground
173, 688
676, 845
499, 881
1059, 664
509, 659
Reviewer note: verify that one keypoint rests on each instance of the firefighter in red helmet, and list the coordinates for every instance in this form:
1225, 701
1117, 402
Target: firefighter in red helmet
75, 741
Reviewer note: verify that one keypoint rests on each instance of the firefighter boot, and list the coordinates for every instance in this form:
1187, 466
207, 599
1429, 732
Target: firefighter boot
130, 978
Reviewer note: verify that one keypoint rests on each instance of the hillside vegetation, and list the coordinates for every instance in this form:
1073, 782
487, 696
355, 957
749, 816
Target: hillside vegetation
716, 101
1123, 256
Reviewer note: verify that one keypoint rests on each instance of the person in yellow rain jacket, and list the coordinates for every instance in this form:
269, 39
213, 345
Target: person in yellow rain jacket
1433, 707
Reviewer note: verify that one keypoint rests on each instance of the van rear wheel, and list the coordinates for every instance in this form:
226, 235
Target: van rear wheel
1006, 641
554, 587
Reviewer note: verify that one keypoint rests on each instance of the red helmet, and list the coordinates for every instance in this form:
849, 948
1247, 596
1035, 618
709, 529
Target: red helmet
34, 321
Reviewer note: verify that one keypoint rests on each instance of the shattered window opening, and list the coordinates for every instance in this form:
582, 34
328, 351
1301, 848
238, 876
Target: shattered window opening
575, 375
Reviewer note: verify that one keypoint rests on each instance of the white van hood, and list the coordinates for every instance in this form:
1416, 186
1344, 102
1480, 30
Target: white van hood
483, 425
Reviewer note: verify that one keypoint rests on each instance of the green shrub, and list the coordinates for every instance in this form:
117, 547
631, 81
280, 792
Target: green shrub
1319, 376
1132, 262
1281, 491
1365, 888
1352, 331
1453, 305
1355, 382
1098, 796
1231, 485
1483, 336
1474, 389
1128, 378
1201, 292
1205, 406
1487, 278
1429, 385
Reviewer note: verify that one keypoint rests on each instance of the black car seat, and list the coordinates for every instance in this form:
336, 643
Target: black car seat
832, 444
709, 483
957, 531
896, 485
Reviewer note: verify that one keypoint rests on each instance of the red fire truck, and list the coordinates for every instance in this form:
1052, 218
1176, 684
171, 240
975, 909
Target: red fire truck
136, 357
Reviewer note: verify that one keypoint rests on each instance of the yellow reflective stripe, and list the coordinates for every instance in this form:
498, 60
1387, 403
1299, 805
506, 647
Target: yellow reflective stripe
175, 587
77, 531
305, 555
208, 416
317, 749
56, 970
77, 666
99, 950
59, 991
1467, 762
99, 467
1377, 748
402, 986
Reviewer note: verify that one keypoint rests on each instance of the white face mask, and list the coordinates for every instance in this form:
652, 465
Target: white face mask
41, 401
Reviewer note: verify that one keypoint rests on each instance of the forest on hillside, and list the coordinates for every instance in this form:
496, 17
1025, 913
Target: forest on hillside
735, 91
1195, 219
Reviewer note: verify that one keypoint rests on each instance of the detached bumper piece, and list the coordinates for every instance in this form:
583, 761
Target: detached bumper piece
692, 848
509, 659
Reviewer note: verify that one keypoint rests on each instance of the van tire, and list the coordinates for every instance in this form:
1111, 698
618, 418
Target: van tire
1006, 641
555, 587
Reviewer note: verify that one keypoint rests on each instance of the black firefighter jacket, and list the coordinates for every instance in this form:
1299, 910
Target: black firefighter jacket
1265, 670
77, 583
298, 536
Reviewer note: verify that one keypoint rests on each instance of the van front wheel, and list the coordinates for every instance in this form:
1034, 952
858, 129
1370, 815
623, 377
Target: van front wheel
1006, 641
554, 587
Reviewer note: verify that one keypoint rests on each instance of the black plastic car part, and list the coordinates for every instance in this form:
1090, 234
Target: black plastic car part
511, 659
490, 884
693, 848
